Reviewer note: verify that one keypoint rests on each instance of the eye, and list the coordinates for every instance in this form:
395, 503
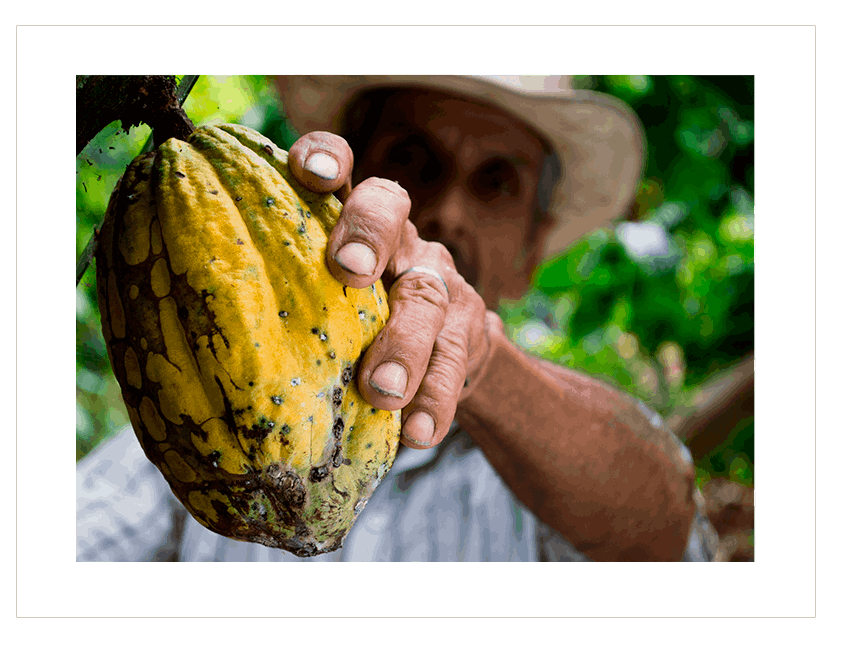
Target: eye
413, 160
495, 180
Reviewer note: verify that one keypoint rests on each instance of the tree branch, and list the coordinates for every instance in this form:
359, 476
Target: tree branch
153, 100
715, 408
133, 100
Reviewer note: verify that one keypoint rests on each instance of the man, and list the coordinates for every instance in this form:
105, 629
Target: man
454, 189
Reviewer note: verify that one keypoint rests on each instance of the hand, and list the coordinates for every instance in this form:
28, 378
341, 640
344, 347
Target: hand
437, 334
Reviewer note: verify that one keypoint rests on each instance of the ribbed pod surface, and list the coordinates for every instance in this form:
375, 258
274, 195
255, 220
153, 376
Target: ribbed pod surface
235, 347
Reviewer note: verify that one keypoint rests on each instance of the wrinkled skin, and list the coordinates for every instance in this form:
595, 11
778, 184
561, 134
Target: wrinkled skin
466, 178
452, 185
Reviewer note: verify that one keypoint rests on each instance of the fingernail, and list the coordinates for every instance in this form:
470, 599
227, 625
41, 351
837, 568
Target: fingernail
390, 379
322, 165
419, 428
357, 259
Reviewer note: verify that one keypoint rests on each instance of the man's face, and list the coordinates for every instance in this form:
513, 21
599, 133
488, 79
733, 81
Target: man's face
472, 174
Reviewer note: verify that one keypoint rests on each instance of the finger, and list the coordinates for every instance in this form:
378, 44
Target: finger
368, 232
321, 161
461, 349
480, 352
428, 417
395, 363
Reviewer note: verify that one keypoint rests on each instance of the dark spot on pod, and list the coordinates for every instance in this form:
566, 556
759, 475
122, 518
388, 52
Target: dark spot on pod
287, 243
318, 362
286, 429
337, 457
373, 318
178, 174
332, 355
324, 308
301, 228
345, 290
347, 374
315, 330
373, 410
317, 473
239, 242
289, 483
466, 383
368, 445
259, 430
338, 428
238, 198
336, 397
214, 191
347, 462
270, 202
283, 313
257, 345
277, 400
267, 149
271, 424
251, 384
214, 458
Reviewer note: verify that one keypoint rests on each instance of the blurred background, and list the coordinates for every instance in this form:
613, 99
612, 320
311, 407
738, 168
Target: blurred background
661, 306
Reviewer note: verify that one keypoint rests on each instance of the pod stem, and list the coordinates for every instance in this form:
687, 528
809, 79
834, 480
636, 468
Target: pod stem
153, 100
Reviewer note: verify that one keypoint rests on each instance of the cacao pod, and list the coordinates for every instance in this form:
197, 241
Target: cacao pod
235, 347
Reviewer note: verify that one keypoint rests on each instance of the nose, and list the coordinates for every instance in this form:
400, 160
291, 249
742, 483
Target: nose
447, 219
450, 220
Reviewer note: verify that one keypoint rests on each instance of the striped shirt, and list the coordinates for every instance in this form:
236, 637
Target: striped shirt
442, 504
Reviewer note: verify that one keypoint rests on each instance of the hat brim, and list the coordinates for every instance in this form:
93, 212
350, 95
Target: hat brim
598, 139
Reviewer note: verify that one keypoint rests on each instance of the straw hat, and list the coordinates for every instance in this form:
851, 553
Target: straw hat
597, 138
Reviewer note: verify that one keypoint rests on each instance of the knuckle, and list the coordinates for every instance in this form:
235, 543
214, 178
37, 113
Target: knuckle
383, 192
473, 300
376, 208
421, 289
452, 345
438, 387
438, 392
409, 231
427, 399
440, 253
323, 140
390, 187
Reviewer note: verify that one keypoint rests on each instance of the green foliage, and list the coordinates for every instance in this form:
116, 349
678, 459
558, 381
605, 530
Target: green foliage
248, 100
657, 325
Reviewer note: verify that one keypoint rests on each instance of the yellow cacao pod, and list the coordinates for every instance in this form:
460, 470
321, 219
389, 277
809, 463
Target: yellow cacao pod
235, 347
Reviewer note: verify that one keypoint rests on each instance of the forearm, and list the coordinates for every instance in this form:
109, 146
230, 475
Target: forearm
582, 456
